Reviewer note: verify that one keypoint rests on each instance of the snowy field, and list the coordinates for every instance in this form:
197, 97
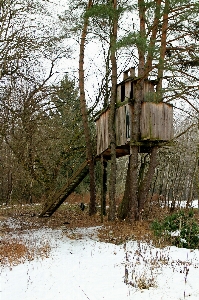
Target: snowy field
88, 269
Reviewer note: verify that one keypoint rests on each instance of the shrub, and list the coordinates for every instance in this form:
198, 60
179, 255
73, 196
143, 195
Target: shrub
180, 229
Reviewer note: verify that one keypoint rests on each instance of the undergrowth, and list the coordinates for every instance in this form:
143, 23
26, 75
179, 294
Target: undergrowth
16, 251
179, 229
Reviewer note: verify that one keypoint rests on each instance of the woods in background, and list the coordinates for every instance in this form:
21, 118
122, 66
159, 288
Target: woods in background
47, 123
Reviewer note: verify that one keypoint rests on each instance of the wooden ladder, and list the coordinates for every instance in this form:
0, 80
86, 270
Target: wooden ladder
58, 198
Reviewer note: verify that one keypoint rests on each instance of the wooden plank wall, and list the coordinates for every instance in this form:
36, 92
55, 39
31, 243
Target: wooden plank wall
156, 121
120, 128
102, 132
119, 93
127, 91
148, 88
120, 125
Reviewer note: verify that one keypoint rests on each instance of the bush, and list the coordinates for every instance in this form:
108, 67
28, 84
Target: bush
180, 229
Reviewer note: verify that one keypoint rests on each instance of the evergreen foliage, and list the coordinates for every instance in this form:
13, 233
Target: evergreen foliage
181, 229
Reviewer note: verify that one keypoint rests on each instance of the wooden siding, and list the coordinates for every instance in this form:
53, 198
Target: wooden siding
122, 131
102, 132
128, 87
120, 125
127, 94
156, 124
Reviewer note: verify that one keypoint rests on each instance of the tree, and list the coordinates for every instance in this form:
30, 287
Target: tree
156, 22
113, 59
43, 144
161, 47
29, 53
60, 145
90, 156
177, 174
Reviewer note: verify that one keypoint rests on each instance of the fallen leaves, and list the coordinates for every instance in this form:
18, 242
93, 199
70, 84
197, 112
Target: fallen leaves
120, 231
15, 251
12, 252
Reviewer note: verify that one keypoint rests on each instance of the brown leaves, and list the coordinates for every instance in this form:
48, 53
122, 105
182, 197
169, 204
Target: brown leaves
11, 252
120, 231
14, 251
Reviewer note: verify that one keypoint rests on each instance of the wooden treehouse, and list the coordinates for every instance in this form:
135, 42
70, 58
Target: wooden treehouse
156, 120
156, 128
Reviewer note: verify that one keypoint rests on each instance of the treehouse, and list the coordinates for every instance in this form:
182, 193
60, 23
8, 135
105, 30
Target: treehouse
156, 119
156, 128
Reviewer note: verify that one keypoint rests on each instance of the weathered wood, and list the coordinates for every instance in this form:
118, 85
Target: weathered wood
126, 90
156, 124
102, 132
121, 124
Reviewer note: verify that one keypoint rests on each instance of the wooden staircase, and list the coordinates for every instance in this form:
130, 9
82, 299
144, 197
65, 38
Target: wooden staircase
58, 198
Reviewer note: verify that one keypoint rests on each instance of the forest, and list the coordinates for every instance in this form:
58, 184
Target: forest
99, 149
60, 67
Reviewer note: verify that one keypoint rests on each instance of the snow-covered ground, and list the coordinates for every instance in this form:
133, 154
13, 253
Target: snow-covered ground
88, 269
194, 204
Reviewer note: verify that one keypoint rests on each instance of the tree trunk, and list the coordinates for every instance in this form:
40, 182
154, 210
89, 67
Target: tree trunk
153, 38
123, 208
112, 183
103, 187
163, 48
10, 187
129, 205
90, 157
146, 182
135, 130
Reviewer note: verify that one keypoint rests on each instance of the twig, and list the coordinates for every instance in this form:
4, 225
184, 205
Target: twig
84, 293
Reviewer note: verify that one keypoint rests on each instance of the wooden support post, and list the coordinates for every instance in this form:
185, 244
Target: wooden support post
103, 186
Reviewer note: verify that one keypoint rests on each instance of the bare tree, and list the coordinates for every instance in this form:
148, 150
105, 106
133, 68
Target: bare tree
90, 156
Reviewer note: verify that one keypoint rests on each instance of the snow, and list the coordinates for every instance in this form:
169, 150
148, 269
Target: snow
194, 203
89, 269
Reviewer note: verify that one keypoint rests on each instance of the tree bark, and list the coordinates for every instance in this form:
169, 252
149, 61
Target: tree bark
163, 48
146, 182
90, 157
135, 130
103, 187
124, 206
112, 183
153, 38
10, 187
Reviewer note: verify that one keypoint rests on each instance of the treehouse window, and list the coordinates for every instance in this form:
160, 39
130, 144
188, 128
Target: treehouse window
131, 92
123, 92
127, 124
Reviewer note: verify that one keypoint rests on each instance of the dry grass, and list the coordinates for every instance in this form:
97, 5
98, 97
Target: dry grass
15, 251
145, 282
142, 264
12, 252
68, 216
119, 232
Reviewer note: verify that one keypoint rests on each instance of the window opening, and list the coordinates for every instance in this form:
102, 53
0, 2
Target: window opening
131, 92
127, 123
123, 92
